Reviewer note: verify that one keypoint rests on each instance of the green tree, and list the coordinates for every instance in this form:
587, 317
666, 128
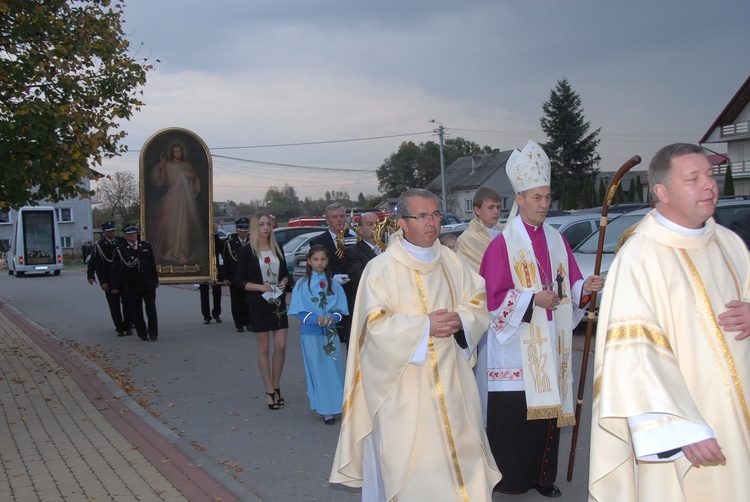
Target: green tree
639, 189
602, 192
571, 148
66, 81
631, 190
728, 181
284, 203
415, 166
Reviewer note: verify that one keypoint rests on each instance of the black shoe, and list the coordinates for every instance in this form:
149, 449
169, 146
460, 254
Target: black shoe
143, 338
240, 330
279, 399
128, 333
330, 421
153, 338
121, 333
274, 404
207, 321
550, 491
218, 319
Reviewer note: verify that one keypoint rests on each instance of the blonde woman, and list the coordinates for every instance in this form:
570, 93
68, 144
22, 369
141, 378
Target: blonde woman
262, 270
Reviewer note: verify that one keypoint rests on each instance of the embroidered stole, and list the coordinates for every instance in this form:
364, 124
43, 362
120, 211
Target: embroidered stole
545, 354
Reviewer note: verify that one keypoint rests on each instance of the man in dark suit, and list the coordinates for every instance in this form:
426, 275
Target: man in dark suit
99, 267
232, 246
134, 276
357, 255
206, 309
336, 221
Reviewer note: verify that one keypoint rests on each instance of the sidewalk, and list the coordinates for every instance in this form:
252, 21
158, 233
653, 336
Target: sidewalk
65, 435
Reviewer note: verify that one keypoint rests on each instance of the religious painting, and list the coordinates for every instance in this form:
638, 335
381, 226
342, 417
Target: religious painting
176, 205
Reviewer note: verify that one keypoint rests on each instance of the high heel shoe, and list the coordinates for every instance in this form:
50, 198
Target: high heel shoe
279, 399
275, 404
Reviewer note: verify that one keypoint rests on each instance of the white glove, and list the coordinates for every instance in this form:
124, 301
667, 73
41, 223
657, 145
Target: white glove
341, 278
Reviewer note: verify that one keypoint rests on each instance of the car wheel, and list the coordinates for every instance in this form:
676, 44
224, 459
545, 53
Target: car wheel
20, 274
57, 272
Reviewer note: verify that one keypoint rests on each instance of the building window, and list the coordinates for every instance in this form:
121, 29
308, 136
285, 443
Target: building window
4, 218
67, 242
64, 214
469, 205
506, 205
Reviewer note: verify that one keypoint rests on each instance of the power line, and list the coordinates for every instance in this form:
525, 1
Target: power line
263, 162
370, 138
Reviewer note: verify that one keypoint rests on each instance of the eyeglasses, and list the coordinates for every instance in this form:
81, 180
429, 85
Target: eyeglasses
422, 217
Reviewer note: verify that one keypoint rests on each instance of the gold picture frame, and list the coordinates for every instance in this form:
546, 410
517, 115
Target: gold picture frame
176, 195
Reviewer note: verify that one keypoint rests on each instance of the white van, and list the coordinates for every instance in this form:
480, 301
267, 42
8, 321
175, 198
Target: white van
35, 247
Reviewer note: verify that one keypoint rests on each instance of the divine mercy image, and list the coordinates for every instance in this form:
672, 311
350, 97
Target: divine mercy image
176, 204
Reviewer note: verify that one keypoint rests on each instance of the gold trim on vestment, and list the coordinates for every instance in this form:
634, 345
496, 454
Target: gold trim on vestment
637, 329
349, 400
637, 332
370, 318
542, 412
651, 424
440, 395
566, 419
703, 304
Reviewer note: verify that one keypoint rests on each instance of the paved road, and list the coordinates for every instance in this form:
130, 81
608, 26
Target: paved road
201, 382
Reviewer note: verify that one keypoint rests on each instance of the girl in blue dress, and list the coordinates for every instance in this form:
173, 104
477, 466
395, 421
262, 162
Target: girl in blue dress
320, 303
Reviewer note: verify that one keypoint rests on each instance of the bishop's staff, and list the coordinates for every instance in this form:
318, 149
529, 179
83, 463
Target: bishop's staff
627, 166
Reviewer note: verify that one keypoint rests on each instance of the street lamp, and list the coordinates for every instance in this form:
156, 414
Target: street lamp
441, 132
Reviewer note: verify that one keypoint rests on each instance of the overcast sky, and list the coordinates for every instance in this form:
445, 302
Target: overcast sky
245, 75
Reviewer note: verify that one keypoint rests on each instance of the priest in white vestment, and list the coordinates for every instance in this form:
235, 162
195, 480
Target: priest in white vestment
671, 417
473, 241
412, 423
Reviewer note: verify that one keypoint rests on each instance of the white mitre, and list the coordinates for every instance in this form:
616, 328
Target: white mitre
529, 168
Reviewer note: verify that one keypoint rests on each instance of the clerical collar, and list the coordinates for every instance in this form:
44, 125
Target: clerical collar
687, 232
420, 253
493, 232
532, 227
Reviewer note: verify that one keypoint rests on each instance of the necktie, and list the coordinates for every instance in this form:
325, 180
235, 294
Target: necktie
376, 249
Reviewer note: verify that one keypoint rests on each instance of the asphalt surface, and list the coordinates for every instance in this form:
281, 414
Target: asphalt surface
199, 388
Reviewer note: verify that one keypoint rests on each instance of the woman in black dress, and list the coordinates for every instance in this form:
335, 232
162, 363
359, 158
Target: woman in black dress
261, 269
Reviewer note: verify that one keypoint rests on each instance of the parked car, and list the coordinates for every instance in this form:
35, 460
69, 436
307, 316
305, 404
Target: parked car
734, 213
294, 244
575, 227
285, 234
450, 221
222, 234
731, 213
300, 257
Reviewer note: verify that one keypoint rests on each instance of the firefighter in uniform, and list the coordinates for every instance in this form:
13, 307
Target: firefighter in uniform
99, 267
231, 247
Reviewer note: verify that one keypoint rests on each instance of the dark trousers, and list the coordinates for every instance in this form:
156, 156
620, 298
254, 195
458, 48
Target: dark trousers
205, 309
239, 307
117, 311
344, 328
135, 301
525, 450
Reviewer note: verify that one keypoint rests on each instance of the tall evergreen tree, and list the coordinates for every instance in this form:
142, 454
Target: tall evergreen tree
602, 192
639, 189
571, 148
728, 182
631, 190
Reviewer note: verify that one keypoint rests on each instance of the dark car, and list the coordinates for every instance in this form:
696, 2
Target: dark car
285, 234
734, 213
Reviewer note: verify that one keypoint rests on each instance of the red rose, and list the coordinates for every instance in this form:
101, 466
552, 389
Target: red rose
322, 284
267, 259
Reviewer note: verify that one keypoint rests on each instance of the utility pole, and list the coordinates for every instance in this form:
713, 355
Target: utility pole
441, 133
